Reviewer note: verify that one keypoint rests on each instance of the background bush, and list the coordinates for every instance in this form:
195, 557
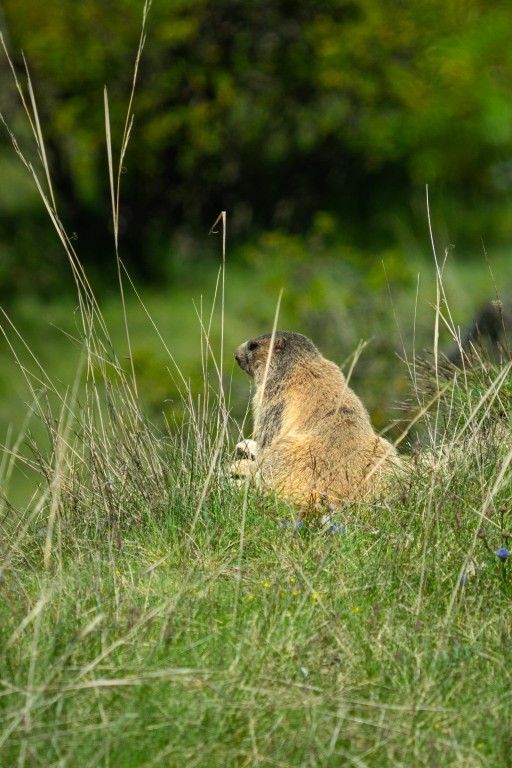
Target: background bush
270, 110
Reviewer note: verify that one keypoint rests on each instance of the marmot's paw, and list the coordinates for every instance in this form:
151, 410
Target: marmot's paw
247, 449
243, 468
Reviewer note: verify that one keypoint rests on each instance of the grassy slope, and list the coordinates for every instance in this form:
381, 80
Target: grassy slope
240, 642
153, 615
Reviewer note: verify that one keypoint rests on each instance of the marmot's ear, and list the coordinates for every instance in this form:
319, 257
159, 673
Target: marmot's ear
279, 342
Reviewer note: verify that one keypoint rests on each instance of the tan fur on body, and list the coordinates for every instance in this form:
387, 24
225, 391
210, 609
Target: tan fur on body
314, 442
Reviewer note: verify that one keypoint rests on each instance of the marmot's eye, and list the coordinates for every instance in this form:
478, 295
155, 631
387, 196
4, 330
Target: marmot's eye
252, 346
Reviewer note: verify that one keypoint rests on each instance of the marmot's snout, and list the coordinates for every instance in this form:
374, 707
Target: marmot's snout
242, 358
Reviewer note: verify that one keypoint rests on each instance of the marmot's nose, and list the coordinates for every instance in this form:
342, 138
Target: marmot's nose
239, 353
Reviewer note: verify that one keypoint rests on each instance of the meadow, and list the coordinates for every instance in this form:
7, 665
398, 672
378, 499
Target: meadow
154, 613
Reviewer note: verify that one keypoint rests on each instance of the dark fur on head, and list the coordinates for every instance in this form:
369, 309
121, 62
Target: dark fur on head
289, 347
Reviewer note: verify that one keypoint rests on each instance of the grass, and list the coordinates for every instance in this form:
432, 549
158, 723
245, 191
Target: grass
155, 613
178, 620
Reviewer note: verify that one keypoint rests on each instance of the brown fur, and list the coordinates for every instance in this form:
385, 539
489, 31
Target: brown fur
314, 442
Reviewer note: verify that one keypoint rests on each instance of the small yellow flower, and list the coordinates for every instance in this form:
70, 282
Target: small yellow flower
480, 745
356, 610
250, 597
234, 549
295, 592
437, 725
315, 596
292, 579
118, 572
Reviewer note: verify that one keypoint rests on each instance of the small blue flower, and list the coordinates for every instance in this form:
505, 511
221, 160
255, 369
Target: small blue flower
503, 553
341, 529
283, 524
299, 524
3, 580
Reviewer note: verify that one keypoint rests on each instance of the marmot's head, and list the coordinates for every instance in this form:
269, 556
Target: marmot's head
286, 349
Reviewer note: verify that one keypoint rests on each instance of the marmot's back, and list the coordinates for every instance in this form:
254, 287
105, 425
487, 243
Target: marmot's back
315, 441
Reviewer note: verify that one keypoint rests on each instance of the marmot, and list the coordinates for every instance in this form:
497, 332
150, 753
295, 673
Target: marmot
314, 442
488, 336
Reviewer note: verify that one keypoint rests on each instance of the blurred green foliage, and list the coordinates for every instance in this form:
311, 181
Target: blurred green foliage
272, 110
